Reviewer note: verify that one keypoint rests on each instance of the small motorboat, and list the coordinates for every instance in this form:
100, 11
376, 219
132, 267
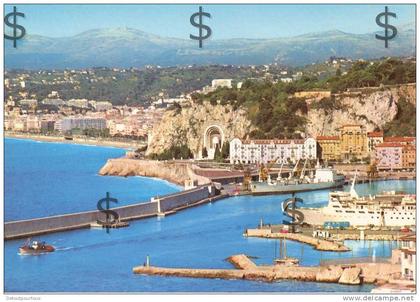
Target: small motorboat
35, 248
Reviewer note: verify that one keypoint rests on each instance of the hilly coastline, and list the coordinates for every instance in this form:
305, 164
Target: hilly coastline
128, 47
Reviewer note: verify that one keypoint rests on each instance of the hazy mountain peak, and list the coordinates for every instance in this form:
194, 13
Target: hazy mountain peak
130, 47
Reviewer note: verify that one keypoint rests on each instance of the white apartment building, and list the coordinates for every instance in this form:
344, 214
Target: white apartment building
408, 257
264, 151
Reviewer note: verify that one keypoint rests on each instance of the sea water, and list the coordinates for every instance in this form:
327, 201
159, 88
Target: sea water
91, 260
44, 179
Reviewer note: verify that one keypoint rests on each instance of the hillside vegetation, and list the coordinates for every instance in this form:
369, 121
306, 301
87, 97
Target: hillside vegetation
276, 113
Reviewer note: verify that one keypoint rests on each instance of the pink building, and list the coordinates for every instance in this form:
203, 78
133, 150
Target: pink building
389, 156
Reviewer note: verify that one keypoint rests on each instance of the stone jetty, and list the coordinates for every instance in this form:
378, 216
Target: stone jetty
317, 243
246, 269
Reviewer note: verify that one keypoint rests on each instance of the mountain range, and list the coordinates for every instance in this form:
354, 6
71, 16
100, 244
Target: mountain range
127, 47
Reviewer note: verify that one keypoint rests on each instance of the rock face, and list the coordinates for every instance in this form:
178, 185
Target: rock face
189, 126
371, 107
174, 172
329, 274
350, 276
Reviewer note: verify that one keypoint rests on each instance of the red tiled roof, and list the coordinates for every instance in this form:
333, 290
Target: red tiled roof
324, 137
400, 139
375, 134
273, 141
389, 145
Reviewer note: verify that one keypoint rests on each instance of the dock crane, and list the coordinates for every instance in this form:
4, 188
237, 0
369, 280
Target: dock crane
264, 174
294, 170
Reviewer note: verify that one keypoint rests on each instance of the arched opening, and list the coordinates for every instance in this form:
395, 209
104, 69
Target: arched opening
213, 138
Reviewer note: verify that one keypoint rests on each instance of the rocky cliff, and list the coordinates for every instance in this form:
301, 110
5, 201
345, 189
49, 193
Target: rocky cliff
174, 172
189, 125
371, 107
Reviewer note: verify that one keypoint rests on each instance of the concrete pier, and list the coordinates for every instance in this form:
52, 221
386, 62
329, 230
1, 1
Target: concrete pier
317, 243
161, 206
245, 269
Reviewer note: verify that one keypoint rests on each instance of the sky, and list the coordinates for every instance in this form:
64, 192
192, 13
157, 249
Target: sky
226, 22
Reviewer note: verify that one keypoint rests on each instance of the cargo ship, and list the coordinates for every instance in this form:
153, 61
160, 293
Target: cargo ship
323, 178
394, 209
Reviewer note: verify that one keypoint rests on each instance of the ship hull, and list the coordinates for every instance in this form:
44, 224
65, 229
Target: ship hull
264, 188
29, 251
320, 216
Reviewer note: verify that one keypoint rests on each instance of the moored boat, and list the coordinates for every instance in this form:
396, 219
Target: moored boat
393, 209
324, 178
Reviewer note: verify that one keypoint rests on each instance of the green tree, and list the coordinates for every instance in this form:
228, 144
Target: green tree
225, 150
218, 155
204, 153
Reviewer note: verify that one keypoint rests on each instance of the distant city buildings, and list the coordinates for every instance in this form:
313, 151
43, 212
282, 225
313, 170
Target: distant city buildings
217, 83
70, 123
29, 102
264, 151
79, 103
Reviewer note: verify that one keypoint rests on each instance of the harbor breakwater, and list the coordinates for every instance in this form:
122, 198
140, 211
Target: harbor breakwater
157, 206
352, 274
175, 172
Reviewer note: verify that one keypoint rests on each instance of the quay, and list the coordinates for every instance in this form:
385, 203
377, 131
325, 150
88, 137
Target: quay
331, 239
158, 206
245, 269
318, 243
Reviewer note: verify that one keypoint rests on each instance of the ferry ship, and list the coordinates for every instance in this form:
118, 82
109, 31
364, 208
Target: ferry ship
324, 178
387, 209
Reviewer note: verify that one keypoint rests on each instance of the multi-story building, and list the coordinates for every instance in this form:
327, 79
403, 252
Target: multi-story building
47, 125
374, 138
28, 102
408, 257
329, 147
216, 83
19, 124
33, 123
263, 151
55, 102
389, 156
353, 142
79, 103
70, 123
103, 106
409, 157
403, 140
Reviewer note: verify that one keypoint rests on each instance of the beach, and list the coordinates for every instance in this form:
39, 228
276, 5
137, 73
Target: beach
76, 140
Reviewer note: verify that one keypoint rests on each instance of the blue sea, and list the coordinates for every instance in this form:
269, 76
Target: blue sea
90, 260
43, 179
